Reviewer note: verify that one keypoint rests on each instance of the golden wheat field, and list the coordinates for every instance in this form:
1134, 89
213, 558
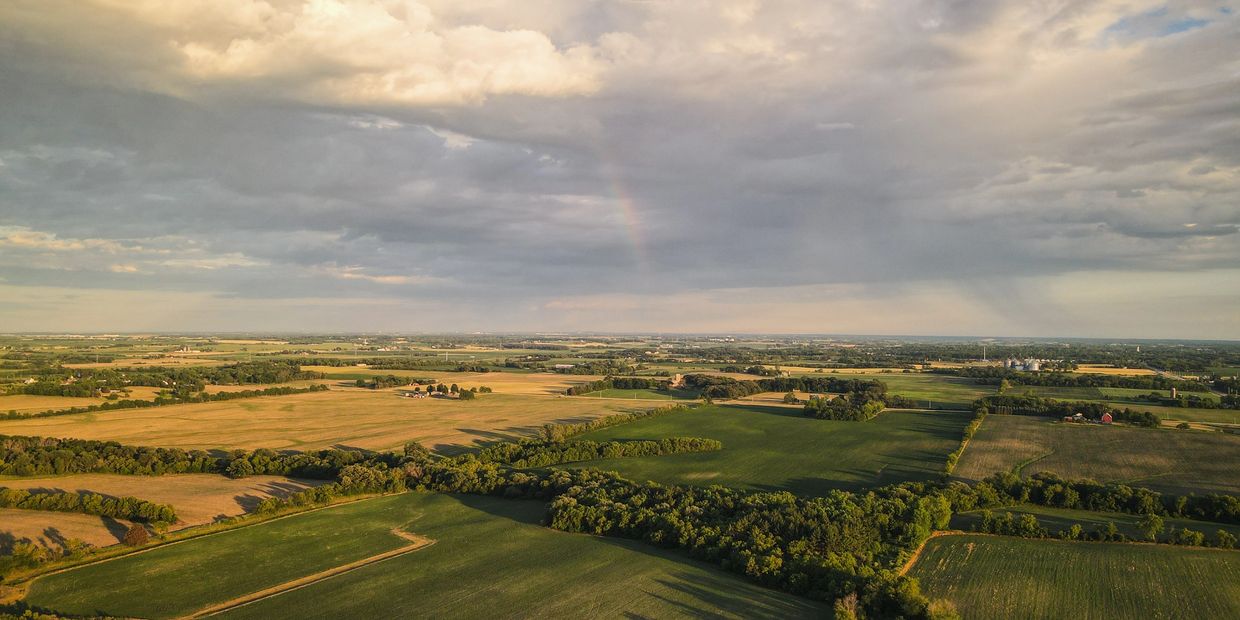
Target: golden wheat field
371, 419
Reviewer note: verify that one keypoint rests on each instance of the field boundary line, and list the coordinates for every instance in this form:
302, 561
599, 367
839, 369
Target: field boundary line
417, 543
22, 584
917, 552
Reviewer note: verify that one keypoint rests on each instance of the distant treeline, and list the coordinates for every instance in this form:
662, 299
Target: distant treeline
1049, 407
561, 432
716, 387
619, 383
87, 382
48, 456
1225, 401
994, 375
168, 399
545, 453
129, 508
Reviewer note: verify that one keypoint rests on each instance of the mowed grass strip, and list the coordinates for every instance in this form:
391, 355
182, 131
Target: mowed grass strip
1167, 460
777, 448
491, 559
359, 418
1000, 577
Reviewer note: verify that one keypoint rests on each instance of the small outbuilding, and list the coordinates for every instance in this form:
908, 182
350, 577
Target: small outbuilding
1106, 418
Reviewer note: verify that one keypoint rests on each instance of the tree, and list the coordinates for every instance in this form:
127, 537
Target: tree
455, 389
441, 388
791, 398
846, 607
136, 536
1151, 525
467, 395
1226, 540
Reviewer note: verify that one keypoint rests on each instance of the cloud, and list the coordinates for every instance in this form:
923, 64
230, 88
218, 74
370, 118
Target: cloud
584, 163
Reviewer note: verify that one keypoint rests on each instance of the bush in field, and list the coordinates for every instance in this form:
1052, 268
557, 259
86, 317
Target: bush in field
136, 536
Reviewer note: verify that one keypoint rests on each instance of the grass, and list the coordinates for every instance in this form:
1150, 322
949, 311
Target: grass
776, 448
372, 419
1000, 577
1162, 459
33, 403
642, 394
490, 559
1057, 519
939, 391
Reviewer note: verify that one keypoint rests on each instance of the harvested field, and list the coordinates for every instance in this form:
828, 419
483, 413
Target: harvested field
198, 498
526, 384
371, 419
30, 403
51, 530
1105, 369
1165, 460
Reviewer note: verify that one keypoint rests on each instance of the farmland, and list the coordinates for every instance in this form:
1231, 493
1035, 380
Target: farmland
198, 498
1161, 459
480, 545
1000, 577
372, 419
777, 448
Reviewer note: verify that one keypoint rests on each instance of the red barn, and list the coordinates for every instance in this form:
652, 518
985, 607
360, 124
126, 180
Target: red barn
1106, 418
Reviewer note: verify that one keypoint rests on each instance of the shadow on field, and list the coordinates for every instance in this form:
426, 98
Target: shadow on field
708, 595
787, 412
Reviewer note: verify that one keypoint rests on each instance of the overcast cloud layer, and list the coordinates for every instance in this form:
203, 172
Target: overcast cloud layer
950, 167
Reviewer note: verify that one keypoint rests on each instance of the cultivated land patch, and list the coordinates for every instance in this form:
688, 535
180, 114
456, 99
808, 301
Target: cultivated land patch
1162, 459
777, 448
371, 419
482, 545
1104, 369
526, 384
937, 391
1001, 577
1126, 398
52, 530
33, 403
197, 498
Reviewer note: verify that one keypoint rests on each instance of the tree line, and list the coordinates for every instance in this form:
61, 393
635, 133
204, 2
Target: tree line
90, 381
128, 508
1049, 407
47, 456
618, 383
526, 454
1152, 526
994, 375
169, 399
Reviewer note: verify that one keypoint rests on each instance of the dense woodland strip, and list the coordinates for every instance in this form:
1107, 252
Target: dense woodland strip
544, 453
130, 508
168, 399
48, 456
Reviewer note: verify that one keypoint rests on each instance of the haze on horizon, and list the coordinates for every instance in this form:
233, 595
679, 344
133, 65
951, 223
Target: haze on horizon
1066, 168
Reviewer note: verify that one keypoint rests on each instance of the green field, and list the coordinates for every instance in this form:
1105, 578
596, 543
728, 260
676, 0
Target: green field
1162, 459
642, 394
1000, 577
1057, 519
938, 391
777, 448
490, 559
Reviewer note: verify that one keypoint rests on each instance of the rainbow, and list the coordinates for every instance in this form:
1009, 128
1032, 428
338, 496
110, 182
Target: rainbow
632, 219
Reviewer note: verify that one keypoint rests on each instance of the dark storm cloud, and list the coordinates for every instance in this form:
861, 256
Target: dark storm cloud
642, 149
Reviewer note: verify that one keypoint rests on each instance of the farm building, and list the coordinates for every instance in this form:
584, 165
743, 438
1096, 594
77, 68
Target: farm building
1106, 418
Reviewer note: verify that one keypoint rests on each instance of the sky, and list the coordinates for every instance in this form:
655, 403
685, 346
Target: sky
991, 168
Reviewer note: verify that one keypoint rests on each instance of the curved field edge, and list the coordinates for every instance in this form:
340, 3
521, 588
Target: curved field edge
1002, 577
481, 544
